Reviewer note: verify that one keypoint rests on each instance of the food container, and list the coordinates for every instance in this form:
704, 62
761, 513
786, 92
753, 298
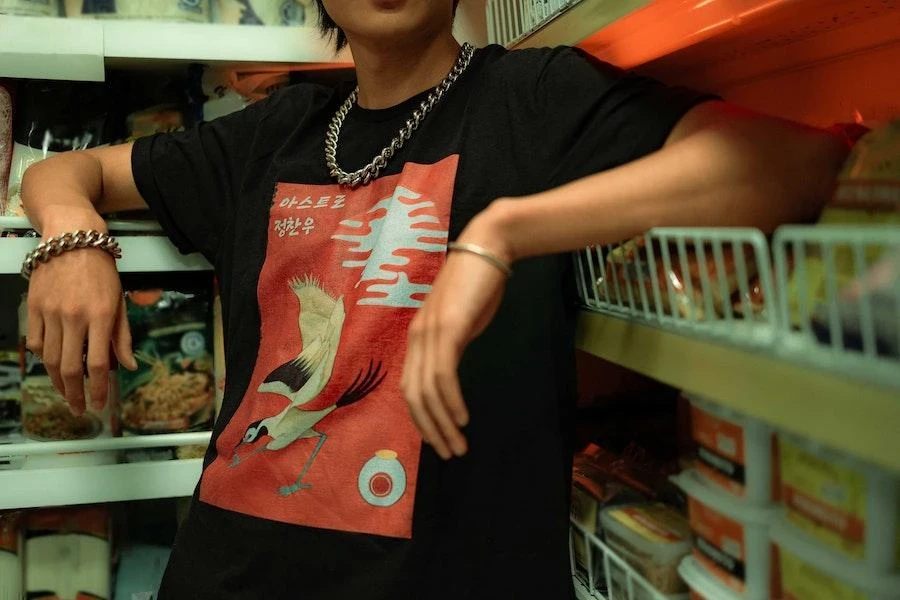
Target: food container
30, 8
731, 538
173, 388
652, 538
68, 553
810, 570
46, 416
846, 504
11, 556
703, 585
734, 452
191, 11
264, 12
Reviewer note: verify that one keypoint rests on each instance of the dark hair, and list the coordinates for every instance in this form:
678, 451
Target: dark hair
330, 29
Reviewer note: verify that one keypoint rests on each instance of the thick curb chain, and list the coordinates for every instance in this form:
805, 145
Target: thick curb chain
69, 241
371, 170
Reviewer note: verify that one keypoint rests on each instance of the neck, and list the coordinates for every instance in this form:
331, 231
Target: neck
388, 76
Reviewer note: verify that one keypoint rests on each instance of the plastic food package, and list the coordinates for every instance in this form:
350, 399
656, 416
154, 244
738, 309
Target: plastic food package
194, 11
68, 553
30, 8
735, 452
11, 556
158, 119
46, 415
264, 12
868, 193
810, 570
53, 117
10, 391
141, 568
731, 538
628, 267
173, 387
848, 505
6, 142
652, 538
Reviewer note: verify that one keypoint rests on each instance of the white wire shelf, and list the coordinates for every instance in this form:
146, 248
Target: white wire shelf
162, 440
81, 49
617, 579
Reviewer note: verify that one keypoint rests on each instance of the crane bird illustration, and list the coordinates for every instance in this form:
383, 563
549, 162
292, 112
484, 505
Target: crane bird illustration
302, 379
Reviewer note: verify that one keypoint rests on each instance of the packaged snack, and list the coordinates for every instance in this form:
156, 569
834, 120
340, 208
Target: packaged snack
850, 506
735, 452
652, 538
68, 553
11, 563
682, 294
10, 391
731, 538
53, 117
158, 119
264, 12
189, 11
810, 570
173, 387
46, 415
30, 8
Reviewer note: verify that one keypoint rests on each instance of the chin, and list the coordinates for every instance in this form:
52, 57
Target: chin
390, 20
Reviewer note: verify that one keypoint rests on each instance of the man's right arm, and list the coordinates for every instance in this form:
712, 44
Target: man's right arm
76, 313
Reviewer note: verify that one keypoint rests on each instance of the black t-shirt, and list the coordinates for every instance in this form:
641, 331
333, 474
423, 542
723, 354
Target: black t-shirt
317, 485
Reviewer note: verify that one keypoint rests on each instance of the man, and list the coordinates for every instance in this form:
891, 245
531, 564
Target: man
352, 334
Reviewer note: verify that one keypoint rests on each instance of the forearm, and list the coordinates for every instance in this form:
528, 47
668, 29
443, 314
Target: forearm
744, 173
59, 193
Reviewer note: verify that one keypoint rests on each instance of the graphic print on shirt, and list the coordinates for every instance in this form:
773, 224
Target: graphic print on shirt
323, 437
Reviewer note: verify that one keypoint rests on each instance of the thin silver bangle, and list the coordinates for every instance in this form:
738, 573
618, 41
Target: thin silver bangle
483, 253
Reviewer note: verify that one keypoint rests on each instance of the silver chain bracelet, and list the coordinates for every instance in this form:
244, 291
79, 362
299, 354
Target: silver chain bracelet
69, 241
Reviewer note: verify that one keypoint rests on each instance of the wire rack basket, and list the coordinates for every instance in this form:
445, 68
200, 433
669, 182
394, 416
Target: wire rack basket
839, 299
707, 282
508, 21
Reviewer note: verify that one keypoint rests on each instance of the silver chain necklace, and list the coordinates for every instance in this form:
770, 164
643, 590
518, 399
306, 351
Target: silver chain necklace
371, 170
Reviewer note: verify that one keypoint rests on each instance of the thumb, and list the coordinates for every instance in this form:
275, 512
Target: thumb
122, 339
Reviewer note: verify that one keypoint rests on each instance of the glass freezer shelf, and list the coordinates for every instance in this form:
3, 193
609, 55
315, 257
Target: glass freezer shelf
843, 413
80, 49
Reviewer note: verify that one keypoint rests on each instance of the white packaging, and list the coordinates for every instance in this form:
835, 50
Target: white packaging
703, 585
847, 504
734, 451
30, 8
731, 537
264, 12
191, 11
811, 570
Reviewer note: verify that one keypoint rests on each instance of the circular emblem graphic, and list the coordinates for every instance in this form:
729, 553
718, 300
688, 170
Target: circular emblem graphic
382, 480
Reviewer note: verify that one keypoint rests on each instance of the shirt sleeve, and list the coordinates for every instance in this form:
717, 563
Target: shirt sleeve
192, 179
593, 116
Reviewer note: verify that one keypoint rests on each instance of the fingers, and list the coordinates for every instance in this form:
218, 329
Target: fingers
122, 339
34, 339
71, 366
412, 390
99, 333
436, 378
51, 350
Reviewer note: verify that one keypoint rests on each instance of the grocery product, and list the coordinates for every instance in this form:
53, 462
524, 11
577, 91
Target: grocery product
10, 391
264, 12
10, 556
194, 11
46, 415
30, 8
867, 193
67, 553
847, 504
6, 142
140, 572
158, 119
173, 388
731, 538
53, 116
652, 538
812, 571
704, 586
734, 451
694, 288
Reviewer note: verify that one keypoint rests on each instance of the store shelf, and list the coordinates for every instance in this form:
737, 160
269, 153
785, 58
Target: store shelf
106, 483
846, 414
80, 49
139, 255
